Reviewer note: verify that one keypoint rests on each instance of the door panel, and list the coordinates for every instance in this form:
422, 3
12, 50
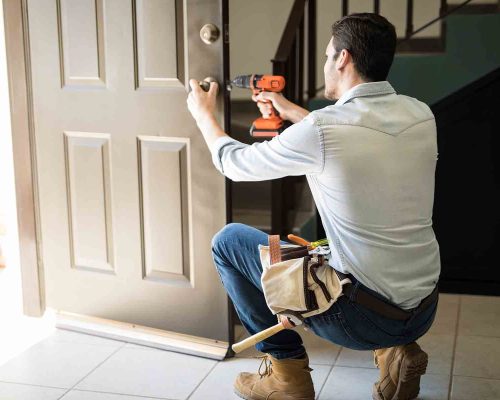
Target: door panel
89, 200
164, 169
129, 198
156, 41
81, 32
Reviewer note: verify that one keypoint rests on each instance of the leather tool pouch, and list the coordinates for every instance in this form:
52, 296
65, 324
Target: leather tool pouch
295, 281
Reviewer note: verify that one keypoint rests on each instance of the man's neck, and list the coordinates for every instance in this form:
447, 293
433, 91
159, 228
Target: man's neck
347, 84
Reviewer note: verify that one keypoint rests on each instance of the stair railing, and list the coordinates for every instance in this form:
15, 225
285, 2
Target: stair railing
444, 11
289, 62
404, 43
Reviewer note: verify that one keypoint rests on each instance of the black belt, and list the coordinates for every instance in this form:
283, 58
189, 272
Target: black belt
381, 307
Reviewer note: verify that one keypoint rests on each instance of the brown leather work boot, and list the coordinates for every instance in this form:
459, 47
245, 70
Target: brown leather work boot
400, 371
287, 379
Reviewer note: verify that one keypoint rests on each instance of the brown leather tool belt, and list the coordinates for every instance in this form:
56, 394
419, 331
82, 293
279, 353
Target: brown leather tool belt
381, 307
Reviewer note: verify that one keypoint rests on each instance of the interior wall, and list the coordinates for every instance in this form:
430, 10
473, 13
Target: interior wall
255, 29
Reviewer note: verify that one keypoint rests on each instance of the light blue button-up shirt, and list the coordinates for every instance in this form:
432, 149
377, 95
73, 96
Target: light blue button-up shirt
370, 161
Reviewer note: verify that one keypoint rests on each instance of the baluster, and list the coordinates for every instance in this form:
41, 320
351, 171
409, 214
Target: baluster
345, 7
311, 49
409, 18
279, 68
293, 69
443, 7
376, 6
300, 64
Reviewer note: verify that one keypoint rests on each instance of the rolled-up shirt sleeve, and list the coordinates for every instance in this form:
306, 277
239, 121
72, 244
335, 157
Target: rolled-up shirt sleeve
296, 151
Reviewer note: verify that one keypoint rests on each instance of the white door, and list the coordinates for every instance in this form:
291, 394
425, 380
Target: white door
129, 198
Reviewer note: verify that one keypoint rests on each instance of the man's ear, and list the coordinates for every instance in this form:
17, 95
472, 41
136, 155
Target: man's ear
343, 59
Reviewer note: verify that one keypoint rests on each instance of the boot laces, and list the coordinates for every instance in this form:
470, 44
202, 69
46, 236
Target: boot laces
375, 360
267, 364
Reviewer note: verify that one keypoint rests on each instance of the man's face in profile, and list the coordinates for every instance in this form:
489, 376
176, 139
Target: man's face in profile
331, 74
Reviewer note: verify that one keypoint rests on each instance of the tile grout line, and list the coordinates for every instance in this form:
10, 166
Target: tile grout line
202, 380
482, 336
329, 372
123, 394
88, 343
459, 308
93, 369
476, 377
32, 384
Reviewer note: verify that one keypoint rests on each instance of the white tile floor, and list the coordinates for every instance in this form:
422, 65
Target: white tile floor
463, 346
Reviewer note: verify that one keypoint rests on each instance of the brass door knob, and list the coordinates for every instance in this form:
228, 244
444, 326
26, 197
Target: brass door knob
209, 33
205, 83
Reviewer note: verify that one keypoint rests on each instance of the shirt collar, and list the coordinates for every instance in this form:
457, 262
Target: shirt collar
366, 89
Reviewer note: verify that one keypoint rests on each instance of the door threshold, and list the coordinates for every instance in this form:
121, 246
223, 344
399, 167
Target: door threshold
142, 335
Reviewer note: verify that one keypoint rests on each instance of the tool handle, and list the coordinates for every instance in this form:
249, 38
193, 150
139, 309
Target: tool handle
298, 240
254, 339
274, 112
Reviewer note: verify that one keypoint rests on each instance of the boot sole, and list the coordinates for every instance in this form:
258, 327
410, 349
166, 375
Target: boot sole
241, 395
250, 398
413, 366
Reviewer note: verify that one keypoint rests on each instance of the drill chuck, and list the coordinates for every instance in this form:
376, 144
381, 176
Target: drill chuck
246, 81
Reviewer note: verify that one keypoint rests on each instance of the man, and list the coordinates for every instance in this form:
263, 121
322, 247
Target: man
370, 161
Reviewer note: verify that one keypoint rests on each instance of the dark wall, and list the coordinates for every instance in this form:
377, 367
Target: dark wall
467, 201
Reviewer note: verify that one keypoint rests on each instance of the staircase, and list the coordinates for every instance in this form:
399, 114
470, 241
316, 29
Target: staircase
286, 205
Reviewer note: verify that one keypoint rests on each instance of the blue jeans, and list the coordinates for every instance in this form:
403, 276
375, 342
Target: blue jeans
346, 323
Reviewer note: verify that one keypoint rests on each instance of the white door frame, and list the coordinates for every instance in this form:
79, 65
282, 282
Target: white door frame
21, 104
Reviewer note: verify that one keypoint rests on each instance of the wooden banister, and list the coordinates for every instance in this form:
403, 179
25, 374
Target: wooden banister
443, 13
287, 39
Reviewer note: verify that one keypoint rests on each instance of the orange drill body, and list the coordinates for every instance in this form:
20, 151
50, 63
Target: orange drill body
270, 126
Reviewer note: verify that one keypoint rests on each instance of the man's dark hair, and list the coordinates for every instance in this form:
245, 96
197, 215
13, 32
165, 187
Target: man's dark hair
371, 41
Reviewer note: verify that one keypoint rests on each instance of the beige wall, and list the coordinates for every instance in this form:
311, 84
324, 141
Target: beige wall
256, 27
255, 30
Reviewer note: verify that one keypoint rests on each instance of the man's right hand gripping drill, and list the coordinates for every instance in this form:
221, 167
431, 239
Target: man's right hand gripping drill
287, 110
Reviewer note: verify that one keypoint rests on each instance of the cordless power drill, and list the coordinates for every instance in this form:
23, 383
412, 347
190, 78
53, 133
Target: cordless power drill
270, 126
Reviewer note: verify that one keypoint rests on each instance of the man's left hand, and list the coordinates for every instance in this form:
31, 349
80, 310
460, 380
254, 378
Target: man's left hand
201, 104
